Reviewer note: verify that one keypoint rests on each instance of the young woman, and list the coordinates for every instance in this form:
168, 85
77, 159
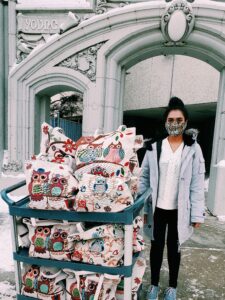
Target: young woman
173, 172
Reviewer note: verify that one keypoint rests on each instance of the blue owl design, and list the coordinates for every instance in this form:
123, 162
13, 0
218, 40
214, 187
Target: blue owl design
91, 153
100, 186
114, 153
97, 245
83, 188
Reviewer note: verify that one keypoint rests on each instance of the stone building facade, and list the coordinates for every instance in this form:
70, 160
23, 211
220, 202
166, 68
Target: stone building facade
127, 58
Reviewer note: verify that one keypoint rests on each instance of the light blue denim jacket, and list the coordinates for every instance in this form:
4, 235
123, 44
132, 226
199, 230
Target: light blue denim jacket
191, 200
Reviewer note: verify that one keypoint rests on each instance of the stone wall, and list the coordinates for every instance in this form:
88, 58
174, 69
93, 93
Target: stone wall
150, 83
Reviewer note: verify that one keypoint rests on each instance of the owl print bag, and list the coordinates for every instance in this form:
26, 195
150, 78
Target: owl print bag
55, 144
50, 185
75, 284
117, 147
105, 169
137, 278
101, 245
43, 283
50, 239
138, 240
82, 285
101, 194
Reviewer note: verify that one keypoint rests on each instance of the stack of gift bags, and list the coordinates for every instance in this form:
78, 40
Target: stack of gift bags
50, 283
94, 174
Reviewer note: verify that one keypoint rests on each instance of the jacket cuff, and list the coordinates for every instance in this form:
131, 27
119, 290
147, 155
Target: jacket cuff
199, 219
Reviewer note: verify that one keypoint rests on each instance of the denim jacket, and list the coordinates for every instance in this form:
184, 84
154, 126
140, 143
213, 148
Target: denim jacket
191, 200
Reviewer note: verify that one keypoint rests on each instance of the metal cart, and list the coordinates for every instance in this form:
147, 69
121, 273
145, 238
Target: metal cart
126, 217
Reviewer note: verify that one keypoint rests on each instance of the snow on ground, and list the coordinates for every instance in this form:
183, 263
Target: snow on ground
17, 176
7, 291
6, 241
3, 206
206, 185
6, 237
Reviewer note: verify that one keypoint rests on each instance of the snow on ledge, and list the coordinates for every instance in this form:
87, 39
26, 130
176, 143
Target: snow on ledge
49, 4
221, 218
221, 163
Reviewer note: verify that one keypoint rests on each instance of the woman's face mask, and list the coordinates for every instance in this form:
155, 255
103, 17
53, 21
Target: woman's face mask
175, 128
175, 123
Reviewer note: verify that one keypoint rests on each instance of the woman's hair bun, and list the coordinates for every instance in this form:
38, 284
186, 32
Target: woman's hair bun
175, 102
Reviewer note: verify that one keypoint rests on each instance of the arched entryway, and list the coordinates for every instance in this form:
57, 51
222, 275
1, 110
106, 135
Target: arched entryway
93, 59
150, 83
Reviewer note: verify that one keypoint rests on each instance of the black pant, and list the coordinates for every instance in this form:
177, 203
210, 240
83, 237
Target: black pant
162, 219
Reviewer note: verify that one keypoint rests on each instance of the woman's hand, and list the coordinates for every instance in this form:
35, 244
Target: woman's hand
196, 225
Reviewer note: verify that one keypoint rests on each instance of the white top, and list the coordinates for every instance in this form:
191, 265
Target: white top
169, 171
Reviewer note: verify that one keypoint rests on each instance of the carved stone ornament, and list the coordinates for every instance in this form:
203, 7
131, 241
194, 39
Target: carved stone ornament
27, 42
13, 167
103, 6
71, 21
177, 22
35, 30
84, 61
9, 167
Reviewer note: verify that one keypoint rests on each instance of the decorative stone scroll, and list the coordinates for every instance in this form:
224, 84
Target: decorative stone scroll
27, 42
84, 61
103, 6
177, 22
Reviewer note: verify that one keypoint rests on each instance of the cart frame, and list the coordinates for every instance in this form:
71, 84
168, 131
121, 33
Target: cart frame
126, 217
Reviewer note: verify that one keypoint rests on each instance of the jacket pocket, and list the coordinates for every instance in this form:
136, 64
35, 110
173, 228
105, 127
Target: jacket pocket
201, 166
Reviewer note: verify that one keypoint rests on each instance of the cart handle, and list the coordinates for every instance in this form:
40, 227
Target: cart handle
5, 192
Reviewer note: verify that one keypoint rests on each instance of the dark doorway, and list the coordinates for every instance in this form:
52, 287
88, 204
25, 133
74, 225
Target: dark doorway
201, 116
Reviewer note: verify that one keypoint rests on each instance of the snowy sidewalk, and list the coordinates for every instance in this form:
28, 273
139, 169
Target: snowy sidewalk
202, 271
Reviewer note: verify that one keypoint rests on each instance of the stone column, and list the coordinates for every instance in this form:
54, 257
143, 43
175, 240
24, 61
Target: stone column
216, 194
42, 114
6, 71
12, 32
2, 85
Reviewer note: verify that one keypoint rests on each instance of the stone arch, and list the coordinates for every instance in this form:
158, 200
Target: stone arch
38, 88
127, 35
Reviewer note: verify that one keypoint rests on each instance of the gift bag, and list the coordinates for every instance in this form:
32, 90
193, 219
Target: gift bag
101, 194
90, 286
116, 148
137, 277
43, 283
138, 240
60, 246
133, 186
101, 245
56, 144
107, 290
50, 238
30, 281
105, 169
75, 284
66, 160
50, 185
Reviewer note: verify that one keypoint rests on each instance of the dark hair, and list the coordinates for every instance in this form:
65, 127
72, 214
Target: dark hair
176, 103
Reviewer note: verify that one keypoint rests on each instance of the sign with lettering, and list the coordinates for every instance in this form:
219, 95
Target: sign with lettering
39, 24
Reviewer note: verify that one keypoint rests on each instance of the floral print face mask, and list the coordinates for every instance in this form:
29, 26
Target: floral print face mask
175, 128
